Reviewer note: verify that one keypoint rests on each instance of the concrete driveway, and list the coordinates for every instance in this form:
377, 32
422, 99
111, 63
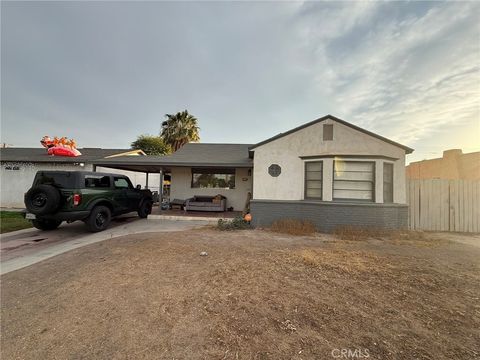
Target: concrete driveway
22, 248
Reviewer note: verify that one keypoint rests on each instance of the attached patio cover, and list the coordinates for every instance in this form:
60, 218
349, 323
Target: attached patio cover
190, 155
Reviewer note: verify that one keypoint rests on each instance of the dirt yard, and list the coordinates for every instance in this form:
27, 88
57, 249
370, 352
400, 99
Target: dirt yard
257, 295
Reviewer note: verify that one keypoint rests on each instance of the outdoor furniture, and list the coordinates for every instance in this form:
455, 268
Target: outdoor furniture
177, 202
206, 203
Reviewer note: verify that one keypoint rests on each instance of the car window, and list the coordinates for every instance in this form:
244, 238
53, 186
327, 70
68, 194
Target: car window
121, 183
62, 180
97, 181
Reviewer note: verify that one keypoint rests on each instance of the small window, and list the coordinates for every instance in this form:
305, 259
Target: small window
327, 132
122, 183
313, 180
92, 181
388, 183
354, 180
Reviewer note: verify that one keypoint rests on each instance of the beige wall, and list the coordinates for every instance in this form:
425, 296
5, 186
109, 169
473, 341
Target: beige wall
181, 187
286, 152
453, 165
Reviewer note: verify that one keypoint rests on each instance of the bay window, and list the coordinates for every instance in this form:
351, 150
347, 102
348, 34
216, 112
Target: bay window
354, 180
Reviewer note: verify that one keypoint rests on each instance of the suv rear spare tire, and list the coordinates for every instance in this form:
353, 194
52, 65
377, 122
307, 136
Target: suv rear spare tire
42, 199
99, 218
46, 224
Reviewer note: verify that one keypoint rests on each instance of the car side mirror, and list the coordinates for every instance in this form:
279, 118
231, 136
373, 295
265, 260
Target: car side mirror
138, 187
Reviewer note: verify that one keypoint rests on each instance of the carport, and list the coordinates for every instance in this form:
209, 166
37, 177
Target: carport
215, 159
146, 164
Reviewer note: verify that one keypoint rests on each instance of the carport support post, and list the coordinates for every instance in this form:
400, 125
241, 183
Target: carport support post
146, 180
160, 189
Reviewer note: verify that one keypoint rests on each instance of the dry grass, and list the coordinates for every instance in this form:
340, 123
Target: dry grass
365, 233
293, 227
341, 260
359, 233
257, 295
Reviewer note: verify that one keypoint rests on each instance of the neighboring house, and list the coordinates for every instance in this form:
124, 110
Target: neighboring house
453, 165
19, 165
328, 171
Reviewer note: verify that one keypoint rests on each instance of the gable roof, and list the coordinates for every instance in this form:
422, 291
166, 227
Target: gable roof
191, 155
343, 122
39, 154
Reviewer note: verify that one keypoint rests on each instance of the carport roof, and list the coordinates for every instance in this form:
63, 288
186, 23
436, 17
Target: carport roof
189, 155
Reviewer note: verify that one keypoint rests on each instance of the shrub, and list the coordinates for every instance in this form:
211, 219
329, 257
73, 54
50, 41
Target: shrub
293, 227
235, 224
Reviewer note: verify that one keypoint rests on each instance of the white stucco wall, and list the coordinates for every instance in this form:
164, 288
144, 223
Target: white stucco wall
15, 183
286, 152
181, 187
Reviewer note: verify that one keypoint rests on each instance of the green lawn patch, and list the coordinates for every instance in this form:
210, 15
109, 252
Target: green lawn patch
11, 221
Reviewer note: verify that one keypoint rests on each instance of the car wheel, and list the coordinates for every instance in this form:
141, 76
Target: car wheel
42, 199
99, 218
46, 224
145, 209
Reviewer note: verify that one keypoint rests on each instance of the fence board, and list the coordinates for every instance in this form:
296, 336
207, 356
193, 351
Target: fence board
444, 205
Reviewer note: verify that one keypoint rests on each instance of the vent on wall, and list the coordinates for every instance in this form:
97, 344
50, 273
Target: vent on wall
327, 132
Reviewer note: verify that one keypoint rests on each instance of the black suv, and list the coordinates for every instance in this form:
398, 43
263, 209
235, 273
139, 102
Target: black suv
92, 197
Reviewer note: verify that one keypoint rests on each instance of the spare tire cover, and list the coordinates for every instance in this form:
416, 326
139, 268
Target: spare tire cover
42, 199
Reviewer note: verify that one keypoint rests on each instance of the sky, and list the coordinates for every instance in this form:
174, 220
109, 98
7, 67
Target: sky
105, 72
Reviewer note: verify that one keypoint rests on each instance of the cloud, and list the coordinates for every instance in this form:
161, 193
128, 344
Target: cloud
407, 70
405, 76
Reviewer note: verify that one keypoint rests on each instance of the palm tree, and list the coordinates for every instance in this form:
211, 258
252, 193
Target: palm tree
179, 129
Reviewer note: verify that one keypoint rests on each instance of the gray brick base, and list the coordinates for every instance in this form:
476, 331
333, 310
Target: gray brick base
328, 215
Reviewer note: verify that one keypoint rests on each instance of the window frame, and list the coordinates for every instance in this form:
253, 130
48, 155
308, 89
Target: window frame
214, 171
392, 184
129, 183
373, 182
305, 181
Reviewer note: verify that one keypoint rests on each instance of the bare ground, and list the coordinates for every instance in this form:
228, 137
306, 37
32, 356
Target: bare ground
257, 295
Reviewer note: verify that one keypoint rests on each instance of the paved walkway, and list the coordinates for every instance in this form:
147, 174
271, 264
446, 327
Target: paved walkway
26, 247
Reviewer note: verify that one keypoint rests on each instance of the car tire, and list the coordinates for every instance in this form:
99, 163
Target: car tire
99, 218
42, 199
46, 224
145, 209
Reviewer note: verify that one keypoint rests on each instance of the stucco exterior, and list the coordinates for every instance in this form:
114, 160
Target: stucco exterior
293, 150
181, 187
15, 183
452, 166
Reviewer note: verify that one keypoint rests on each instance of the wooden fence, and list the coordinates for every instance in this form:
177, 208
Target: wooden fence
444, 205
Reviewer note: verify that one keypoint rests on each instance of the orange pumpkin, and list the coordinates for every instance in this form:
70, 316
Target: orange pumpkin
247, 217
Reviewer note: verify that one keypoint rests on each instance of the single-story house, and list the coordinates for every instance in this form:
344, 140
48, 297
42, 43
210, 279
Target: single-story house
19, 165
328, 171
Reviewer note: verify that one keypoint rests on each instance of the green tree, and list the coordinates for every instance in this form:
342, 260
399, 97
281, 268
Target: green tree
151, 145
179, 129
